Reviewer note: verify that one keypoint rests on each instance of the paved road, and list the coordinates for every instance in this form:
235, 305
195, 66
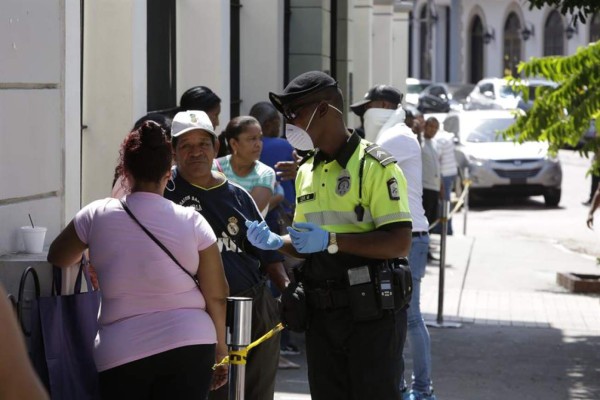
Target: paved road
521, 336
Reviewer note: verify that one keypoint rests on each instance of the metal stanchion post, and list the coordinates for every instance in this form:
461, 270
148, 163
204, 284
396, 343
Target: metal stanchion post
466, 202
444, 222
440, 314
239, 325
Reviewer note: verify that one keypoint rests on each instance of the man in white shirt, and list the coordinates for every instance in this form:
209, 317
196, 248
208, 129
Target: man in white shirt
398, 139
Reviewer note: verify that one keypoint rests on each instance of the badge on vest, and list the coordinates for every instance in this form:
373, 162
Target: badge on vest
343, 183
232, 226
393, 192
305, 197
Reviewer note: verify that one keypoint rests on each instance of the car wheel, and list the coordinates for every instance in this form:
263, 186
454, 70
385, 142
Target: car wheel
552, 197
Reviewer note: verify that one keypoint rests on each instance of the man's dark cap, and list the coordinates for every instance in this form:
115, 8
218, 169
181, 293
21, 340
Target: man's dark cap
300, 86
376, 93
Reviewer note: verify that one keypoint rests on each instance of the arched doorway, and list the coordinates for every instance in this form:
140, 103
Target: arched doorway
554, 37
476, 48
595, 28
512, 44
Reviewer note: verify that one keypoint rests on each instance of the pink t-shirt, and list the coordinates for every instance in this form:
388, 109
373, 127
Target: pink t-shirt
149, 305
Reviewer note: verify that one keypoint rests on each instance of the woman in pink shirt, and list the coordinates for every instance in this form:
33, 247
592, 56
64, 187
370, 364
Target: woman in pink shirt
159, 335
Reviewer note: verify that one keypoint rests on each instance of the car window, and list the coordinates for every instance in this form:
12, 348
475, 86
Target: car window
438, 91
416, 88
507, 91
485, 130
486, 87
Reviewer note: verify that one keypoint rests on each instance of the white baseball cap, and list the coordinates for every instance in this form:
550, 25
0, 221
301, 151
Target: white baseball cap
186, 121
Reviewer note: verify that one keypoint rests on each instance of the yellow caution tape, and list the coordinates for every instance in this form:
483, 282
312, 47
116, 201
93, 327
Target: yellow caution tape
238, 357
459, 203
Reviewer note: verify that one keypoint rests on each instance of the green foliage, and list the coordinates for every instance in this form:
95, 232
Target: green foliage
562, 115
579, 8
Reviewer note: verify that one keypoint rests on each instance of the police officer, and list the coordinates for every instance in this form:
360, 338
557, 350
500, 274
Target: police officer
352, 219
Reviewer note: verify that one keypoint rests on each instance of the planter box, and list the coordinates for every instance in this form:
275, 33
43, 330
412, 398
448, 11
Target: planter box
579, 283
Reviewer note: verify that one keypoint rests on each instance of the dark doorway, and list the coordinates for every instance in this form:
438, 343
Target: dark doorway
476, 48
512, 44
161, 55
234, 49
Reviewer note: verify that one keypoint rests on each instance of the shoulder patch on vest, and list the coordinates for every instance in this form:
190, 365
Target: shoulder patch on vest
381, 155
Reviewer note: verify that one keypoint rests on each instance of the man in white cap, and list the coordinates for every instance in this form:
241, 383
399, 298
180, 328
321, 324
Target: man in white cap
226, 206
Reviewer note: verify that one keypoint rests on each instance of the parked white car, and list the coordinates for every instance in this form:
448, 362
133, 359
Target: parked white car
502, 167
496, 93
413, 88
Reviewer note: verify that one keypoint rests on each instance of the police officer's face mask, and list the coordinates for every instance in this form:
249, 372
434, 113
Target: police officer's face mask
298, 137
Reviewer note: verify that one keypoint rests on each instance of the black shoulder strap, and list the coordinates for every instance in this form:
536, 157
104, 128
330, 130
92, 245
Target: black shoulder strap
381, 155
162, 246
306, 157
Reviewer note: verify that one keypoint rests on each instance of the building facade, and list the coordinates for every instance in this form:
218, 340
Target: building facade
75, 75
467, 40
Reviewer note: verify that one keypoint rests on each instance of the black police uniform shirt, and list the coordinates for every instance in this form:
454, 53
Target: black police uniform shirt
226, 207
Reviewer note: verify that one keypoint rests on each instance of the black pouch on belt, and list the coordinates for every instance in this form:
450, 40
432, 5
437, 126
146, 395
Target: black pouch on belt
402, 282
362, 294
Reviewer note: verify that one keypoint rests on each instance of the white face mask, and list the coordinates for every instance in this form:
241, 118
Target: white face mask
374, 119
298, 137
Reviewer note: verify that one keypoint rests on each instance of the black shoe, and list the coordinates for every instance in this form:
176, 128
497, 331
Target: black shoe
587, 203
431, 257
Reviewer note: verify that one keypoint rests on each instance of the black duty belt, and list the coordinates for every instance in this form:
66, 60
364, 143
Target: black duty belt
327, 298
419, 234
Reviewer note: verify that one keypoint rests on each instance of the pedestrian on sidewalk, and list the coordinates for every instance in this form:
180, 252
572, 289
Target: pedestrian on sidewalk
401, 142
444, 145
155, 340
594, 206
432, 177
226, 206
348, 219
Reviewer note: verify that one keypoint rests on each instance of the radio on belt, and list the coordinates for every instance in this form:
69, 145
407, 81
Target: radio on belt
386, 291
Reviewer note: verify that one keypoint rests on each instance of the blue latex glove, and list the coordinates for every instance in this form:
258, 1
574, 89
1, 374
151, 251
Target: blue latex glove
308, 237
261, 236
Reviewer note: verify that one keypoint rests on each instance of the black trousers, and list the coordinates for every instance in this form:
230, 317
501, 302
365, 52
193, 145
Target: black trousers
350, 360
262, 361
181, 373
430, 204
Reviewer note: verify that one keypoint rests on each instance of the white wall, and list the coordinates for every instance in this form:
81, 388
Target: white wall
36, 96
114, 86
203, 49
382, 44
400, 48
261, 51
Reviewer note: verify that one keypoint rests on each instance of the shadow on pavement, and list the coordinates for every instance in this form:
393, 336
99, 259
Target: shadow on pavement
486, 362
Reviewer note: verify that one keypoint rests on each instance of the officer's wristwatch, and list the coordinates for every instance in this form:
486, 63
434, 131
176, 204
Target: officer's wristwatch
332, 248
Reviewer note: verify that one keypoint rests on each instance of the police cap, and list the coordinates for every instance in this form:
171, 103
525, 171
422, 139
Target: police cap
301, 86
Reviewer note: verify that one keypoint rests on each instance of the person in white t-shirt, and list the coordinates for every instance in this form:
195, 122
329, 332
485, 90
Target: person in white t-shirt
399, 139
386, 123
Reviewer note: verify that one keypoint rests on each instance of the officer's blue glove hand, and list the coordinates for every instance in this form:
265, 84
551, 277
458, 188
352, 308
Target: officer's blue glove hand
261, 236
308, 237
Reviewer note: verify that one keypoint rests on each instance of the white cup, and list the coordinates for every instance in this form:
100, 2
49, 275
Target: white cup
33, 238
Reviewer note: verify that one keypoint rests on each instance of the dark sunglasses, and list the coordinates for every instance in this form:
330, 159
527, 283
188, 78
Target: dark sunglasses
291, 112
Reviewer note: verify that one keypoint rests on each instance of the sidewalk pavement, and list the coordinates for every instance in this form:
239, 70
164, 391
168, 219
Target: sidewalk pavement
521, 335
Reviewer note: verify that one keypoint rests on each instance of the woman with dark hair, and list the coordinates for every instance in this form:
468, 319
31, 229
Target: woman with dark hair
160, 331
120, 186
244, 137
